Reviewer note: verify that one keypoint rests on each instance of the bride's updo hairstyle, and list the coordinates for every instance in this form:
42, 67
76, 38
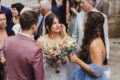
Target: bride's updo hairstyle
49, 22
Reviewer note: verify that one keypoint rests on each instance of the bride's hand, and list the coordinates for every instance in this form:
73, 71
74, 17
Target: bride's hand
73, 58
63, 30
55, 64
64, 61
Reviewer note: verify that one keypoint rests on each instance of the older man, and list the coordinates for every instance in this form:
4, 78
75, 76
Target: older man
44, 11
78, 34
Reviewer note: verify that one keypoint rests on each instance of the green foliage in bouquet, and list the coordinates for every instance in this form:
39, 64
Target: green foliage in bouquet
67, 46
56, 53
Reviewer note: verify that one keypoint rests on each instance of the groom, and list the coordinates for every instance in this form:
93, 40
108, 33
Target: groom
24, 60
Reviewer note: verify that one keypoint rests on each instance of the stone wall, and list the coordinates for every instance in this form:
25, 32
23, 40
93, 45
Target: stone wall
114, 7
29, 3
9, 2
114, 19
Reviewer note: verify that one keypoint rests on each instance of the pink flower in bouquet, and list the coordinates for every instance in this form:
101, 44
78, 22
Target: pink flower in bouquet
56, 53
49, 56
56, 58
55, 48
74, 42
65, 45
61, 45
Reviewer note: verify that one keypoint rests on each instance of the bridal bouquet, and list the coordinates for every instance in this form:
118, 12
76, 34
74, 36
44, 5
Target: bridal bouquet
57, 54
67, 46
53, 56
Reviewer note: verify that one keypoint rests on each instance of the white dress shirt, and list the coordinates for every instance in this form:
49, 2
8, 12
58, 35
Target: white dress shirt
43, 29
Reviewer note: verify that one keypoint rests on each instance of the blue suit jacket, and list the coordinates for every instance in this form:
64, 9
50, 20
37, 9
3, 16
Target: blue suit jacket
9, 16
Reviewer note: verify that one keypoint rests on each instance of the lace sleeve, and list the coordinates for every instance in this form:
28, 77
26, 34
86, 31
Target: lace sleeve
41, 42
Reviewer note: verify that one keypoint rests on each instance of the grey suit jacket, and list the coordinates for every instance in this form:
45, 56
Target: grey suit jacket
24, 60
78, 33
103, 6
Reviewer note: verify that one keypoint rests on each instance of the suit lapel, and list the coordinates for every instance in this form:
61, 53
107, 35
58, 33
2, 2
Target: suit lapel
40, 28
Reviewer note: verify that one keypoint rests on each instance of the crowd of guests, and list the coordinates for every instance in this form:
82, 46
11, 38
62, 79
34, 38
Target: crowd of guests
24, 33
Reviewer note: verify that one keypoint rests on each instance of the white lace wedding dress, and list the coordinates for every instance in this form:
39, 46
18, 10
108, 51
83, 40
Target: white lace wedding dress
50, 72
52, 75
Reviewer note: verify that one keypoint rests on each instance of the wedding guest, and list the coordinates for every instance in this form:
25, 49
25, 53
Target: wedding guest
102, 6
44, 11
4, 33
55, 33
61, 9
78, 34
17, 28
75, 9
24, 60
16, 9
93, 52
8, 15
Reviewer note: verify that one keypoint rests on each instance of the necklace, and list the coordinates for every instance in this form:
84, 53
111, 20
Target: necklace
54, 40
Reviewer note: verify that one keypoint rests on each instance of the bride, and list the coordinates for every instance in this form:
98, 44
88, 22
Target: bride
55, 33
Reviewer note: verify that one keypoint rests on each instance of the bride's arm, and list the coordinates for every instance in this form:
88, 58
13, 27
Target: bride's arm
40, 43
64, 33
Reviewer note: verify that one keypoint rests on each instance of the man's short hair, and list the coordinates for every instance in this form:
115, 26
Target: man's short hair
27, 19
46, 4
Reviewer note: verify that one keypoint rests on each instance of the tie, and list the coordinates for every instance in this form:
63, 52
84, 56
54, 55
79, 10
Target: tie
39, 30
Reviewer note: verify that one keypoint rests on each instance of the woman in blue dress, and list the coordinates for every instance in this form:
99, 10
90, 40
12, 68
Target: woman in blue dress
92, 54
